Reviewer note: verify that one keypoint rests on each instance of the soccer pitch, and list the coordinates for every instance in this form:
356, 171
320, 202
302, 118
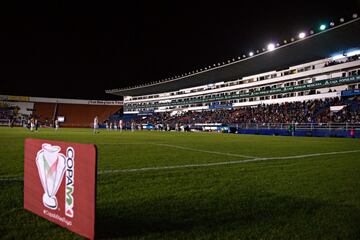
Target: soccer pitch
167, 185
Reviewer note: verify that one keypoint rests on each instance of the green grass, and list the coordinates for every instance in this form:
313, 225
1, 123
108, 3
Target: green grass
305, 198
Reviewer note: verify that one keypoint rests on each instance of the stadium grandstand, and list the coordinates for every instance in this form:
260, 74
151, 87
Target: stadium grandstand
308, 85
19, 110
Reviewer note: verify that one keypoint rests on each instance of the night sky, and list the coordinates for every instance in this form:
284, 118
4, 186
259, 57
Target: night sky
78, 51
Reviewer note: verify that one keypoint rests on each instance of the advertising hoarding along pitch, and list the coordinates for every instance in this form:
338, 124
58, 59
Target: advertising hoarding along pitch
60, 183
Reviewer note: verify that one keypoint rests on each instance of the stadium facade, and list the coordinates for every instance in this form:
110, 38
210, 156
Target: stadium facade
324, 64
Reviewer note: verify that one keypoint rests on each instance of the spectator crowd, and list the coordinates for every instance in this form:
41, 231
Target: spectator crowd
314, 111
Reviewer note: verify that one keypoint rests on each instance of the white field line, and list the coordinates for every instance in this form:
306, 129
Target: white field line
124, 143
101, 172
202, 151
221, 163
11, 179
183, 148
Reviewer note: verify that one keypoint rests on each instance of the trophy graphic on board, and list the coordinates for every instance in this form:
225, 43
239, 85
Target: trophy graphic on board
51, 166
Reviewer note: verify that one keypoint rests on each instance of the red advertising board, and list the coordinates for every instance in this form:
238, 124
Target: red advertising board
60, 183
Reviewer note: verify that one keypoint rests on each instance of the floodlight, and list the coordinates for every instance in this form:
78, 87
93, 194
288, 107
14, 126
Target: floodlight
302, 35
271, 47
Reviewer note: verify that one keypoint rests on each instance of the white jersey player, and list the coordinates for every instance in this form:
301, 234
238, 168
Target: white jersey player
121, 125
32, 124
96, 124
56, 125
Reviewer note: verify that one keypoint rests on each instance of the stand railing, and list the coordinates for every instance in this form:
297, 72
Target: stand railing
299, 126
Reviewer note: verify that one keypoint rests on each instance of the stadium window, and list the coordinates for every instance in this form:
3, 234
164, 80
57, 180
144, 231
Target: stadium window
352, 73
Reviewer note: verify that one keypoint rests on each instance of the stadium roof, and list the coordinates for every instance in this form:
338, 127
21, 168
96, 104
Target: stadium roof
318, 46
